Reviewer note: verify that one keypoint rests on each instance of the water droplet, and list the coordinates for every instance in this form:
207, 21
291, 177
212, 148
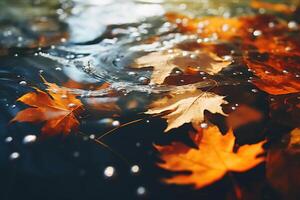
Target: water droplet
14, 156
63, 40
109, 171
23, 83
115, 123
284, 71
8, 139
64, 96
29, 139
293, 25
143, 80
254, 90
257, 33
72, 105
92, 136
141, 190
131, 73
203, 125
135, 169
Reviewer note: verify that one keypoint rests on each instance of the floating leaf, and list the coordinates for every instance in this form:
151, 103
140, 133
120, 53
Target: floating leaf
212, 159
58, 110
165, 62
187, 106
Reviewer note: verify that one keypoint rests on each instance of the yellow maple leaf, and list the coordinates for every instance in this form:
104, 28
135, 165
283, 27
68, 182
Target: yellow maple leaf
211, 161
165, 62
187, 105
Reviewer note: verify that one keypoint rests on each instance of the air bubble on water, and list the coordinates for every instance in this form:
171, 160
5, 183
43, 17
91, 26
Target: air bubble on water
109, 171
28, 139
63, 40
135, 169
14, 156
147, 121
13, 106
52, 46
285, 71
23, 83
141, 191
58, 68
8, 139
16, 55
254, 90
233, 107
35, 54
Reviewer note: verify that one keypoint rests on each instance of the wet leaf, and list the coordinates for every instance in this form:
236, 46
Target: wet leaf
57, 109
187, 106
212, 159
277, 74
164, 63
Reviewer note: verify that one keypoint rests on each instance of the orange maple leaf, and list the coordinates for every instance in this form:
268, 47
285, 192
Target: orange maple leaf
58, 109
277, 74
211, 161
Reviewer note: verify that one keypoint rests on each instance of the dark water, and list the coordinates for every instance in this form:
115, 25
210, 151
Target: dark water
91, 43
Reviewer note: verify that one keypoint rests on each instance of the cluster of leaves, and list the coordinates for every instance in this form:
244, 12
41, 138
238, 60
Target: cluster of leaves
267, 46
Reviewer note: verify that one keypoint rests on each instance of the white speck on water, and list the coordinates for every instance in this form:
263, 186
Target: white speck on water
8, 139
115, 123
109, 171
14, 156
141, 190
203, 125
29, 139
135, 169
23, 83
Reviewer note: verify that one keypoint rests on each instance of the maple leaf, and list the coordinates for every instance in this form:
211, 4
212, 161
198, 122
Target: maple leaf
212, 159
58, 109
165, 62
187, 105
272, 72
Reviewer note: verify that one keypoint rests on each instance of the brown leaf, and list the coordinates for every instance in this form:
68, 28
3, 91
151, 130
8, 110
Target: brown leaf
211, 161
187, 106
58, 110
165, 62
